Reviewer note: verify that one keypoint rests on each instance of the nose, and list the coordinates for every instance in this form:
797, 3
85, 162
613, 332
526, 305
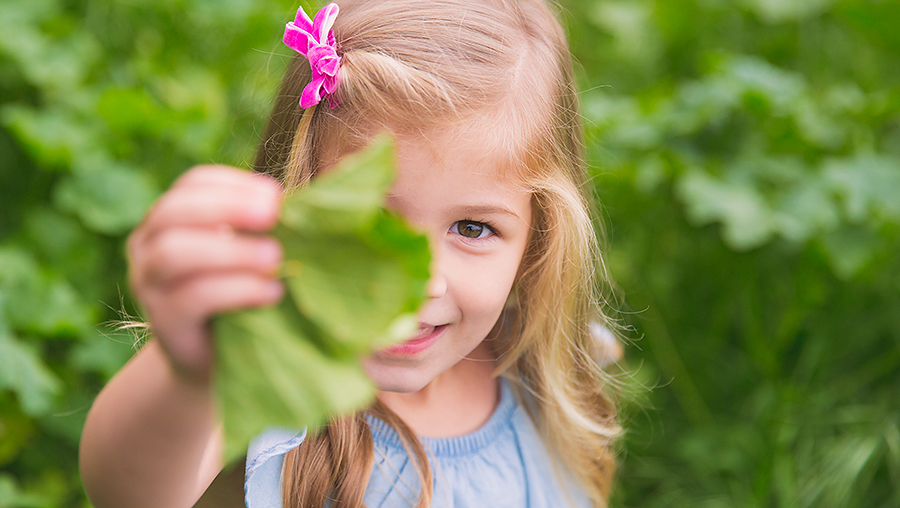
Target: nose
437, 285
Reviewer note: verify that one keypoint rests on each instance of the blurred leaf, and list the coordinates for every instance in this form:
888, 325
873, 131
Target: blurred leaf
745, 215
132, 111
58, 65
64, 424
346, 200
336, 235
631, 24
12, 496
269, 373
869, 184
877, 20
805, 211
196, 99
849, 250
54, 137
775, 11
16, 428
23, 372
844, 462
103, 353
651, 172
61, 241
780, 88
108, 197
818, 127
37, 301
355, 276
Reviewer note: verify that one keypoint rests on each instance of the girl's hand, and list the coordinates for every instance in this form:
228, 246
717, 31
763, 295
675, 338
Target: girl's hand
199, 252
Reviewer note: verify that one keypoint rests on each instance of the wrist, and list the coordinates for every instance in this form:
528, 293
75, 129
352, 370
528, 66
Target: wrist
192, 376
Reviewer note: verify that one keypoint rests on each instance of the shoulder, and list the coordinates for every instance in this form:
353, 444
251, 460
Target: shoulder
549, 481
262, 477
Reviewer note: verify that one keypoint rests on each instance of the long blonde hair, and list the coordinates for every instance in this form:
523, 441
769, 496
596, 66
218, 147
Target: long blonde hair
418, 65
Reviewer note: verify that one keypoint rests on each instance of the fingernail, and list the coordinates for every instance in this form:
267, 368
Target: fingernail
270, 253
264, 213
266, 205
274, 290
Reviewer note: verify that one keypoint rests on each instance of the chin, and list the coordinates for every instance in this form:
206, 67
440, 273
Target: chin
395, 387
400, 383
394, 379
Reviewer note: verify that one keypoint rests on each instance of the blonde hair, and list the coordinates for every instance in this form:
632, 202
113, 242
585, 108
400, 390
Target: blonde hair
412, 65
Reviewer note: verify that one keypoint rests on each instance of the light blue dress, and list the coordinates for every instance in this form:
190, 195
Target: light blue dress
502, 464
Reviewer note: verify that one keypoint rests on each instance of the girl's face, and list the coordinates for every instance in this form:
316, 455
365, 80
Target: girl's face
478, 221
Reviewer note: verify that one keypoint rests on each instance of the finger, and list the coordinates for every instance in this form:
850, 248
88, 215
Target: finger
252, 208
179, 253
223, 175
180, 318
164, 239
195, 301
245, 200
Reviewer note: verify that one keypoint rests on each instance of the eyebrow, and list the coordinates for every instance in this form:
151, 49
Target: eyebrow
489, 210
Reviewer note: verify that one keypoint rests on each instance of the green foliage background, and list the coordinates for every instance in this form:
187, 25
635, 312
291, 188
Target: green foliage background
747, 154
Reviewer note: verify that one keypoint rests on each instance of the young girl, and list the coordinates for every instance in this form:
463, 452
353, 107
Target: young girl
497, 400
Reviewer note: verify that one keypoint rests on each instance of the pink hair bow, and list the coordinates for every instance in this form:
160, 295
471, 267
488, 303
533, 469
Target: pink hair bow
314, 39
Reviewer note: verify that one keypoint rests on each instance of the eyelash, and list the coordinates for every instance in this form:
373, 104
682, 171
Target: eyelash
454, 229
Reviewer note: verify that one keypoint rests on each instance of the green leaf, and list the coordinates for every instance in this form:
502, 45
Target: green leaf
869, 185
804, 211
779, 11
849, 250
131, 110
741, 209
270, 373
13, 496
109, 197
53, 63
54, 137
103, 353
373, 281
23, 372
344, 199
44, 303
780, 88
16, 429
355, 276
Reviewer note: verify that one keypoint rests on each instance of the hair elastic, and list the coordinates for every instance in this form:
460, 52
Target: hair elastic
314, 39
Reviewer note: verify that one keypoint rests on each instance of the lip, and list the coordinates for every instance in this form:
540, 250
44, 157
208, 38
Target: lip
424, 338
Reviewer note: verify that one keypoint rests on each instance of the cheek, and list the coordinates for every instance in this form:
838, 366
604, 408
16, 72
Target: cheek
483, 291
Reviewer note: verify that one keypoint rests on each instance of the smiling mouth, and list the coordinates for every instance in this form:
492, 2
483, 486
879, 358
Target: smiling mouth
424, 337
423, 331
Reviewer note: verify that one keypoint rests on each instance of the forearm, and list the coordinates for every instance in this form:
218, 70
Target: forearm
151, 438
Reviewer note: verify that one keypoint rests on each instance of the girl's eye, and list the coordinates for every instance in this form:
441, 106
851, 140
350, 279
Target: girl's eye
471, 229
